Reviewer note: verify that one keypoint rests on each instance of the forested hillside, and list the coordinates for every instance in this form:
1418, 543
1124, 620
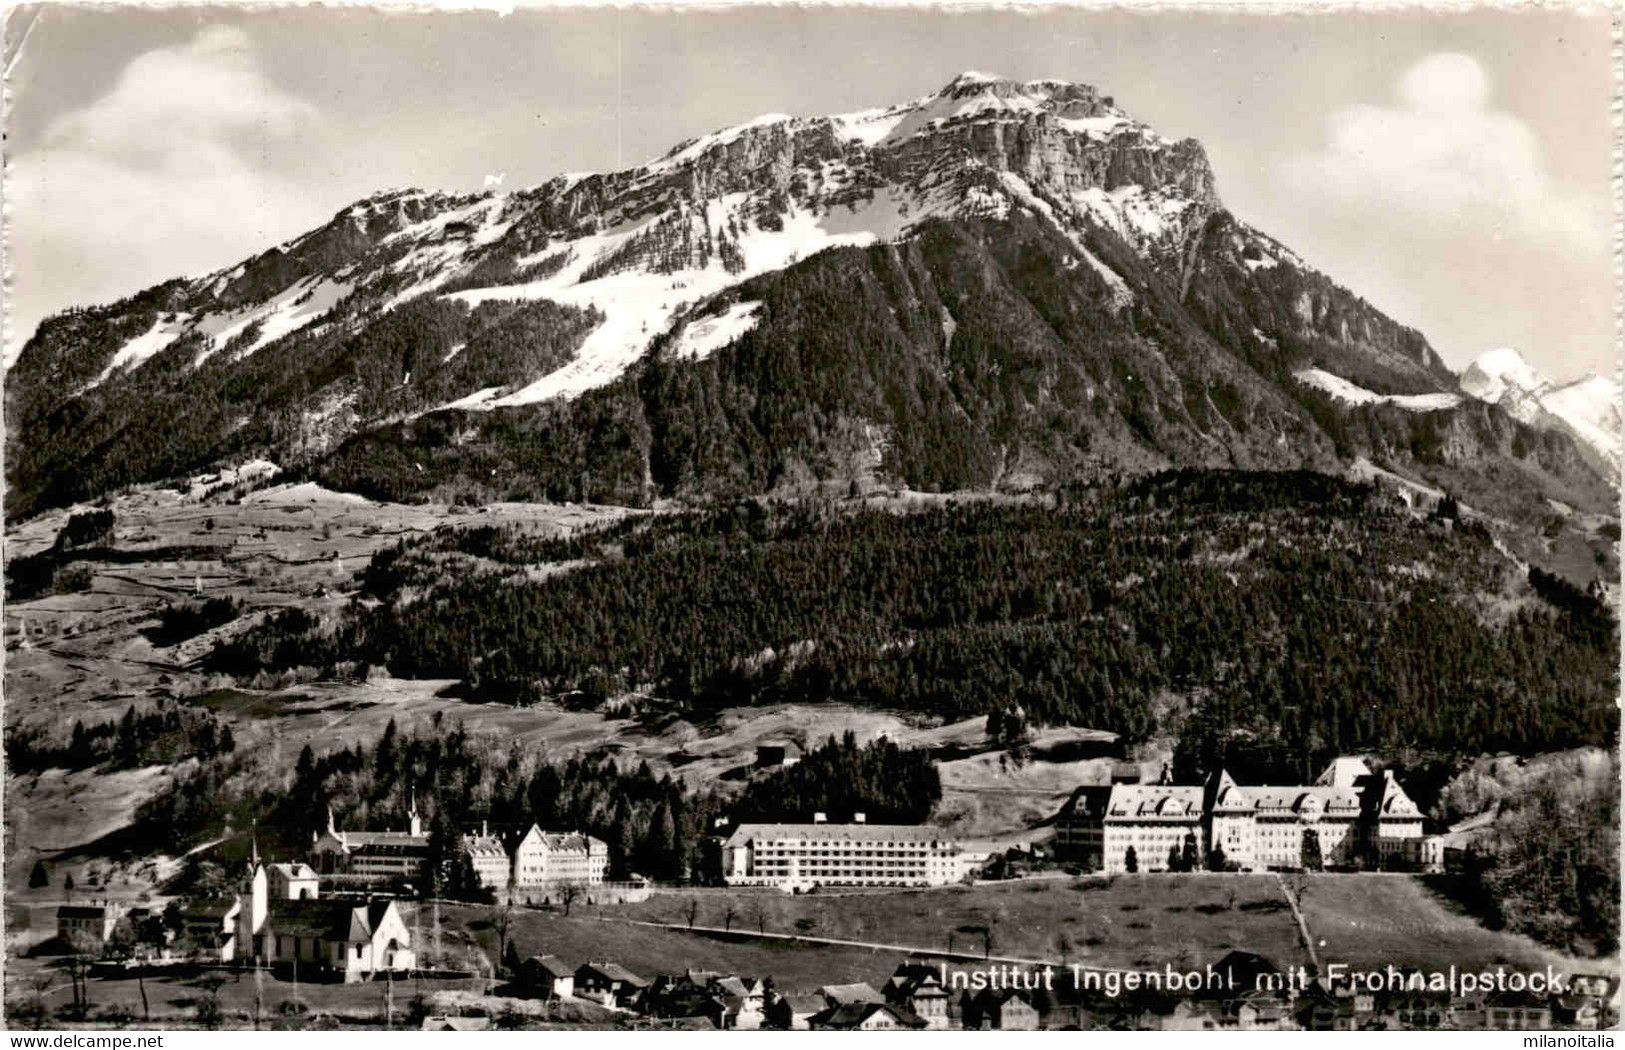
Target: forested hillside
1293, 612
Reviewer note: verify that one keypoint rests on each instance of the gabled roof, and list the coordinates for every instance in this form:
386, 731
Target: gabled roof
853, 1015
484, 846
1087, 803
846, 994
552, 964
805, 1005
732, 986
294, 870
614, 972
1344, 772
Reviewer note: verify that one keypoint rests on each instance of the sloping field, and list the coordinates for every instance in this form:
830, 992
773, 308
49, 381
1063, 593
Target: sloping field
1126, 921
1375, 920
648, 952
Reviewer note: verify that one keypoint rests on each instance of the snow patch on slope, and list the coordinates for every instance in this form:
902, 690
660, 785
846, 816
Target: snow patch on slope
1344, 390
701, 338
144, 346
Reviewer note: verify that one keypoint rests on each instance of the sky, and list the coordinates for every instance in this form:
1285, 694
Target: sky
1453, 168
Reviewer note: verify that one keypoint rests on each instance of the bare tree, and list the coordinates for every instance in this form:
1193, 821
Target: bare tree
728, 917
758, 912
693, 910
567, 896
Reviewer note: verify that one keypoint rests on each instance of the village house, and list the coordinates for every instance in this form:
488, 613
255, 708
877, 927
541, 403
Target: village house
210, 928
917, 985
865, 1017
1003, 1009
292, 882
794, 1013
547, 977
850, 994
743, 1001
609, 984
684, 998
337, 939
1516, 1012
90, 925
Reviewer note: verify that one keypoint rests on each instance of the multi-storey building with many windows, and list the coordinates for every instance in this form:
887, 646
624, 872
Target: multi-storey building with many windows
544, 859
822, 854
1348, 817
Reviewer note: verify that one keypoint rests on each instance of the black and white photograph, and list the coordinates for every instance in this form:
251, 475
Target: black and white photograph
811, 517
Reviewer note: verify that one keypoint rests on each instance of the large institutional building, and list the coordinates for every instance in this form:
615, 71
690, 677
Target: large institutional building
792, 856
1357, 818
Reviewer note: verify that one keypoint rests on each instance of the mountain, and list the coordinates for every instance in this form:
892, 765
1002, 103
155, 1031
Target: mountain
999, 285
1587, 409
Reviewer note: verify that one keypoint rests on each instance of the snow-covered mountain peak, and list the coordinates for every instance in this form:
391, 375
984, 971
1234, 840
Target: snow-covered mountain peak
1501, 371
1588, 409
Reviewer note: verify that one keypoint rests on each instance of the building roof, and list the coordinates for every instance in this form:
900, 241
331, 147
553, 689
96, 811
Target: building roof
852, 1015
1087, 803
613, 972
1172, 803
327, 919
917, 833
552, 964
563, 841
1344, 772
456, 1024
294, 870
211, 909
805, 1005
846, 994
484, 846
81, 911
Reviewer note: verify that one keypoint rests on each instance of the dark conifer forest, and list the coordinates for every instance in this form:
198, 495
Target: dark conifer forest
1287, 610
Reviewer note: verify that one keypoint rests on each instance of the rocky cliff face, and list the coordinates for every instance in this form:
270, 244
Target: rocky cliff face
1001, 283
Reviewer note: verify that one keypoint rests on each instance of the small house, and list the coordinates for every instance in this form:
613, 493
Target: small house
547, 977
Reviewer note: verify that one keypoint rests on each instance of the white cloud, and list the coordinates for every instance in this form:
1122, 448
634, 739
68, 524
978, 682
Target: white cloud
187, 164
1445, 156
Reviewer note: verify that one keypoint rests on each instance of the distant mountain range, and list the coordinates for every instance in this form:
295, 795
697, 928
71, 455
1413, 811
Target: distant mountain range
999, 285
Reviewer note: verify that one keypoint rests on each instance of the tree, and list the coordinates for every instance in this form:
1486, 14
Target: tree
1188, 859
1215, 859
40, 877
510, 958
568, 894
1310, 850
728, 917
67, 885
692, 910
1131, 860
1174, 861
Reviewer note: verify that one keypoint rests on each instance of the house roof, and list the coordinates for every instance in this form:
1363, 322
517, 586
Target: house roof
846, 994
732, 986
853, 1015
614, 972
294, 870
211, 909
456, 1024
552, 964
805, 1005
